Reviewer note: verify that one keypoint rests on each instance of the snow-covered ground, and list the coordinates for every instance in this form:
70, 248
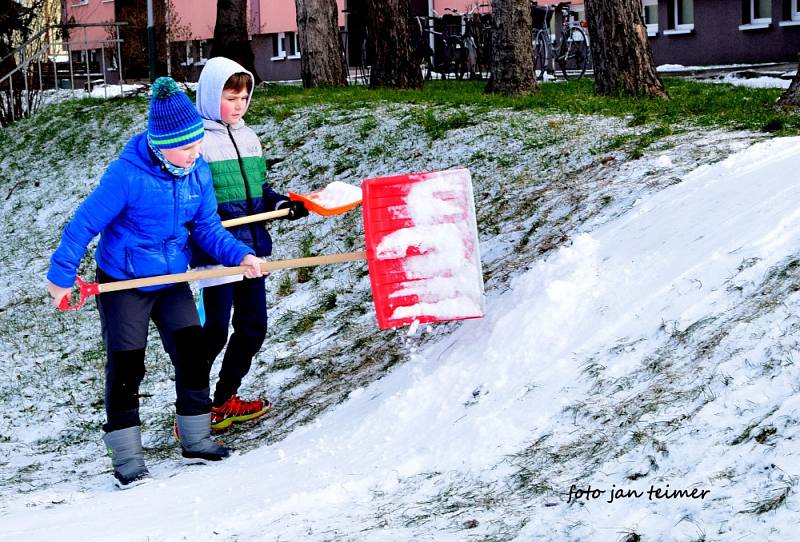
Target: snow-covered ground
752, 82
744, 76
640, 332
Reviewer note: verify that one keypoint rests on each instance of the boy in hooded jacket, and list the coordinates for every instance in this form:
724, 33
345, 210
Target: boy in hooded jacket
149, 199
233, 152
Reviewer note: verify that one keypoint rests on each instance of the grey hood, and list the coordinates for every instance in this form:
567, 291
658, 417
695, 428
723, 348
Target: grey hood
209, 87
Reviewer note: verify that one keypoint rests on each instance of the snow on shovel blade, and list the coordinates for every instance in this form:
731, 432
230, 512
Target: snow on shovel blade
336, 198
422, 248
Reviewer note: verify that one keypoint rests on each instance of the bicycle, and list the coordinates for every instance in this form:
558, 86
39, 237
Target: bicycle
355, 45
479, 25
448, 55
569, 51
476, 24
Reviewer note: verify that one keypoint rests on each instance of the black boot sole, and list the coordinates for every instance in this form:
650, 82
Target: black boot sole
192, 458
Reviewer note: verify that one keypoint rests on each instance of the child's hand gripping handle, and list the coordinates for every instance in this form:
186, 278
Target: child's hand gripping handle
86, 291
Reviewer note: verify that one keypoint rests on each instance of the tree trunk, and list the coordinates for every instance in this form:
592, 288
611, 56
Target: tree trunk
134, 37
231, 39
321, 62
512, 48
394, 62
621, 55
791, 96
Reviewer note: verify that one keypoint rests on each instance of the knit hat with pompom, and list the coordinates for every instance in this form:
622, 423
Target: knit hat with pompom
173, 120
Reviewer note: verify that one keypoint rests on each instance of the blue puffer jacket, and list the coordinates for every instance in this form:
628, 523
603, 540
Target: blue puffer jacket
145, 215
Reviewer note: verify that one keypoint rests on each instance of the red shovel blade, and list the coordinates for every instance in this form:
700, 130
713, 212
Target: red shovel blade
422, 248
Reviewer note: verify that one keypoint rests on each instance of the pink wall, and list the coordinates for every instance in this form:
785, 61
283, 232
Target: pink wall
281, 16
464, 6
461, 6
546, 2
267, 16
197, 16
94, 11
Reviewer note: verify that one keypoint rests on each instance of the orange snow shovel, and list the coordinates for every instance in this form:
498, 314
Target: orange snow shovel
334, 199
422, 252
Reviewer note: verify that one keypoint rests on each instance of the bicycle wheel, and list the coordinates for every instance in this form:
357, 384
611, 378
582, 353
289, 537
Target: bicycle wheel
364, 65
573, 53
540, 55
461, 59
426, 64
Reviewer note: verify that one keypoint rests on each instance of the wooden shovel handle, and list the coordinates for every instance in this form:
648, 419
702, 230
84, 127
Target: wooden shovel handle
255, 218
228, 271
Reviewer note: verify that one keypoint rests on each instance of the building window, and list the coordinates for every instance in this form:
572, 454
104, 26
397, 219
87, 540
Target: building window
202, 50
651, 16
760, 11
756, 14
580, 11
189, 54
684, 14
294, 44
195, 53
791, 13
279, 46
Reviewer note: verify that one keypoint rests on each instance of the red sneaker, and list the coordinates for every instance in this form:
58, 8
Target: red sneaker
234, 410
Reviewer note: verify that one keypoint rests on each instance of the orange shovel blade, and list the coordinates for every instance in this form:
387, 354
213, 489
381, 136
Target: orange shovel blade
335, 199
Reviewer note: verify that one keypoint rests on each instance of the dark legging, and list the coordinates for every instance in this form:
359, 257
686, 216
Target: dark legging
125, 317
247, 299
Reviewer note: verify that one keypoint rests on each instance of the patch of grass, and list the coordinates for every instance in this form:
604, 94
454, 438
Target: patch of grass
366, 127
384, 148
540, 141
343, 163
647, 139
307, 320
437, 126
615, 143
480, 156
506, 161
260, 110
316, 120
639, 142
304, 273
766, 432
285, 286
377, 151
329, 143
770, 503
691, 102
523, 242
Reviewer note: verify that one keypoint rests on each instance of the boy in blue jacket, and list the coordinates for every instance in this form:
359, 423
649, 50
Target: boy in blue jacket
149, 200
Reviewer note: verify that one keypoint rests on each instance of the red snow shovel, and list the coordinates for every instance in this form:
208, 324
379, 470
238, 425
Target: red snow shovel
422, 252
422, 248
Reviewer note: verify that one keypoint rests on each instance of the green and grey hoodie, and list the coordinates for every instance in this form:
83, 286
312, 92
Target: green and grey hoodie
237, 165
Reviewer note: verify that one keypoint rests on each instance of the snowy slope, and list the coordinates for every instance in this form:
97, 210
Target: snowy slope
540, 179
657, 348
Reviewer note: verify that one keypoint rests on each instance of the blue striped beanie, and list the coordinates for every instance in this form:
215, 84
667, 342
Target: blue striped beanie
173, 120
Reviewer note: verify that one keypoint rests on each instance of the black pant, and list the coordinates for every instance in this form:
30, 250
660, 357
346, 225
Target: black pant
248, 300
125, 317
